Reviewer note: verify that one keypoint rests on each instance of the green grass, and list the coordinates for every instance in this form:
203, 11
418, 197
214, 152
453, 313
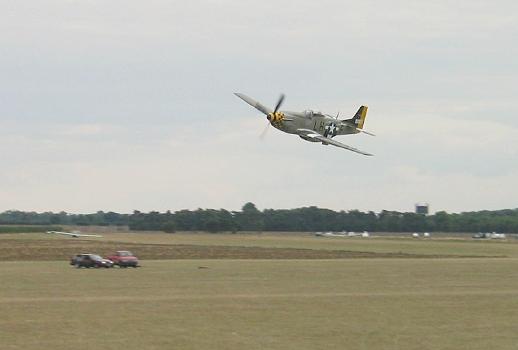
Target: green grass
262, 304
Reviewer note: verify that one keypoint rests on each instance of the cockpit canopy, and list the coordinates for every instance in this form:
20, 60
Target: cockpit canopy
308, 113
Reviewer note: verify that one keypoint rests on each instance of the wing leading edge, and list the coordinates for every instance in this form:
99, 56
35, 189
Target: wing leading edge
256, 104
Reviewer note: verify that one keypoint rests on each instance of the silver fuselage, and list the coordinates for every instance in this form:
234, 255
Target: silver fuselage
311, 120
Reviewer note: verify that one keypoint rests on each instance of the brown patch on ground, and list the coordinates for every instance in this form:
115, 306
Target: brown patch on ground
52, 249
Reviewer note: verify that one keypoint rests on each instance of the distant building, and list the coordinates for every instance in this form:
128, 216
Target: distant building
422, 208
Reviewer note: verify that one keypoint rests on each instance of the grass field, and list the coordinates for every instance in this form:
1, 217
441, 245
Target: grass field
339, 303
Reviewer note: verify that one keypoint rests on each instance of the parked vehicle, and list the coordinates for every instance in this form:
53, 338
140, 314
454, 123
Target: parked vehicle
90, 260
124, 258
75, 259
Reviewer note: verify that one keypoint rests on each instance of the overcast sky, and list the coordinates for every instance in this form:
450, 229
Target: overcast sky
123, 104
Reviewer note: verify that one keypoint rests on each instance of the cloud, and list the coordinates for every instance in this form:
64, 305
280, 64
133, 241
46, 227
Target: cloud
122, 105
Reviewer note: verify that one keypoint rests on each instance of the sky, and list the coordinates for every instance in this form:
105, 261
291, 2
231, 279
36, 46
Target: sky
126, 105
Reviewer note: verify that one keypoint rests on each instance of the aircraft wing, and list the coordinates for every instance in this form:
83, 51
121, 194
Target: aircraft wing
85, 235
326, 140
69, 234
74, 234
64, 233
254, 103
58, 232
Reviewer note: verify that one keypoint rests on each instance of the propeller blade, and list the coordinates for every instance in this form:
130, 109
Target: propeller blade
279, 103
265, 131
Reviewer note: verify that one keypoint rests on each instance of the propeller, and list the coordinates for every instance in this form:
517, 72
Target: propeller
273, 117
276, 116
279, 103
265, 131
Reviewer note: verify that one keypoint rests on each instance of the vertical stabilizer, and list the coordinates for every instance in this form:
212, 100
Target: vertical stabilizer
359, 117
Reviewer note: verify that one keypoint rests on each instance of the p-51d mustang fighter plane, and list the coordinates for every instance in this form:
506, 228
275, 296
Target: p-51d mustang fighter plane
75, 234
311, 125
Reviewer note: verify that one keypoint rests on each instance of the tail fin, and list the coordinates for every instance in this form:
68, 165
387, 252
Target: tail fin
359, 117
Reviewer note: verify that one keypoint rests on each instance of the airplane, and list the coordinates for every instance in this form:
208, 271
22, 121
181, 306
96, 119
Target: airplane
425, 235
489, 235
75, 234
331, 234
313, 126
363, 234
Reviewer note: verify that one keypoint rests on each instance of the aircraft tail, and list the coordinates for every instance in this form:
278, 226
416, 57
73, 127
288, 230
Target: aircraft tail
359, 117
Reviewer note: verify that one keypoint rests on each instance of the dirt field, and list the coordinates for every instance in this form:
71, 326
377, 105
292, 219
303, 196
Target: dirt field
38, 250
152, 246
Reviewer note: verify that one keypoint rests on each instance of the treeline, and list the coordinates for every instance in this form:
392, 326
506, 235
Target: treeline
15, 217
28, 229
300, 219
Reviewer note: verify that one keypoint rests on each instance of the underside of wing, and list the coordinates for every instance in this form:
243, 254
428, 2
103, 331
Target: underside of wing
311, 135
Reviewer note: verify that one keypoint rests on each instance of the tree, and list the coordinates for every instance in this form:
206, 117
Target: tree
250, 218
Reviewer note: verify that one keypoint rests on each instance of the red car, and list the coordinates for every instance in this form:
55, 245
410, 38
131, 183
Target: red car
124, 258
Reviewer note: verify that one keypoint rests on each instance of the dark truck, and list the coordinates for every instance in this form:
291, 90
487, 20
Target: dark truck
124, 258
